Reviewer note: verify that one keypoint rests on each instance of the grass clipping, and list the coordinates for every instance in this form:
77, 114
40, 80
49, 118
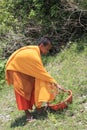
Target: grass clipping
60, 97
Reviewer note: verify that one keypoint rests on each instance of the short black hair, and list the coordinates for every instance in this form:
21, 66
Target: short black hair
45, 40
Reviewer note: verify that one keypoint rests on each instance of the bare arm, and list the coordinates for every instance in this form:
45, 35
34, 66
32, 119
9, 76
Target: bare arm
60, 87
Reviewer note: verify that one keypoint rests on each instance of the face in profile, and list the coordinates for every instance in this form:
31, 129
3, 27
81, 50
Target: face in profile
45, 49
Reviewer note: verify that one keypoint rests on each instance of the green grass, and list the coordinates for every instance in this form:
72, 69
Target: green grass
69, 68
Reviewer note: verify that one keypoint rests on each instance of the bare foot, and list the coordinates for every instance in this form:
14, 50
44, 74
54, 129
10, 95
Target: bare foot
29, 117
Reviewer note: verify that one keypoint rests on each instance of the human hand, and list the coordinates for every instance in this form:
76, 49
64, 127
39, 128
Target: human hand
60, 87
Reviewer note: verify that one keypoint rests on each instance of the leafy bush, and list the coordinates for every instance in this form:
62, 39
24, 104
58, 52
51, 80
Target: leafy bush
2, 73
62, 21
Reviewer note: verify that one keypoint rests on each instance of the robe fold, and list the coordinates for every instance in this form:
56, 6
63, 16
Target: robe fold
27, 61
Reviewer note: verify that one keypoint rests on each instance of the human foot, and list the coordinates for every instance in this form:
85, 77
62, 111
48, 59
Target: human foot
29, 117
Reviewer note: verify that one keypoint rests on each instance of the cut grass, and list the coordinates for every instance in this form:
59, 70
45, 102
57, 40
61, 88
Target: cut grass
69, 68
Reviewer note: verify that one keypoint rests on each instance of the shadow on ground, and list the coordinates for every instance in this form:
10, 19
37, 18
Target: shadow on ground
21, 121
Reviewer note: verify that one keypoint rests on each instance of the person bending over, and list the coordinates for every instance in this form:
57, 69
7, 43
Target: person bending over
33, 85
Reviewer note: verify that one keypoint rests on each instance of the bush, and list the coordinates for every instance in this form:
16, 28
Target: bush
2, 73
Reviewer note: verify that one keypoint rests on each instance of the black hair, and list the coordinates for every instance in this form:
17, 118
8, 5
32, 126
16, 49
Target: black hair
45, 41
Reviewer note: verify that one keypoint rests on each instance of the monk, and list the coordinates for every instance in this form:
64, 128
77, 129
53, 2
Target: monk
33, 85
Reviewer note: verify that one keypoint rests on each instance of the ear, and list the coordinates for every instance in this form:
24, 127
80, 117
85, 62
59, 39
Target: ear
41, 45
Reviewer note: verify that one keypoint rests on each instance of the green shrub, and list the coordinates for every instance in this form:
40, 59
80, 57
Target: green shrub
2, 73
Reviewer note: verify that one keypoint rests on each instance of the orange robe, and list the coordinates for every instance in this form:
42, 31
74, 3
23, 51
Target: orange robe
27, 60
26, 84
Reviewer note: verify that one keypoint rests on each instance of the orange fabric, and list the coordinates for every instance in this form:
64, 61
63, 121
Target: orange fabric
22, 103
27, 60
23, 84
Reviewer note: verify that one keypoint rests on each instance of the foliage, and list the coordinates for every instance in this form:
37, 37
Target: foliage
7, 21
62, 21
82, 3
2, 73
60, 98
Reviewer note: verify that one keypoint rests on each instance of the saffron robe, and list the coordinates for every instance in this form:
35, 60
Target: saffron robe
27, 60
